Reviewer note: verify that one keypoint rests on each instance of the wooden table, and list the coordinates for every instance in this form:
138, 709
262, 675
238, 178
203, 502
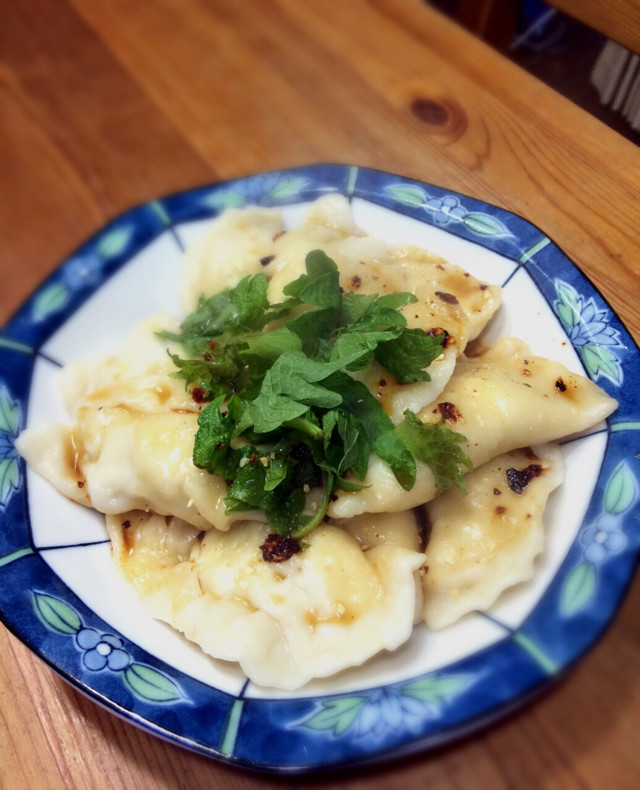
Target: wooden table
104, 105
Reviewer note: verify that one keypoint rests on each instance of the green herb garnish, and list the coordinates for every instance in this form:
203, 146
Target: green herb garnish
285, 414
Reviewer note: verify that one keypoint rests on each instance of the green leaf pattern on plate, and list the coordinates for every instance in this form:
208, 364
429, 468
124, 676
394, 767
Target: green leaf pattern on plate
578, 588
114, 242
51, 299
56, 615
376, 712
150, 685
448, 209
601, 539
286, 189
82, 270
267, 191
104, 651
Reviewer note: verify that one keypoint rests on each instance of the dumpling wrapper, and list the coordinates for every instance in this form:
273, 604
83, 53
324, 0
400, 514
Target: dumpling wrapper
116, 460
504, 399
487, 541
332, 606
136, 378
130, 442
232, 247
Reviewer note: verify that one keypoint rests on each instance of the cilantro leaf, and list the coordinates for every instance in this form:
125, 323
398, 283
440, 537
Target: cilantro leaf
409, 354
286, 416
320, 285
438, 447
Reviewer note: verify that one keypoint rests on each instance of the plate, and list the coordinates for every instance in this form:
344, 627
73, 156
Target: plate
60, 595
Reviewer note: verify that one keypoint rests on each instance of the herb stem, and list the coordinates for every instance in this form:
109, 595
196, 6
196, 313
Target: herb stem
306, 426
312, 523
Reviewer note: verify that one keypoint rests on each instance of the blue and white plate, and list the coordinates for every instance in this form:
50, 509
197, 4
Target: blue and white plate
60, 595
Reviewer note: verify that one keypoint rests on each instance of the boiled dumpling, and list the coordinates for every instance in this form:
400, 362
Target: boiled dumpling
331, 606
233, 247
137, 378
487, 541
116, 460
505, 399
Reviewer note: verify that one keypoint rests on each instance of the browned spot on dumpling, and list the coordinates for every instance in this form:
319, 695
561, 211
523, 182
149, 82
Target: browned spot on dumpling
449, 412
447, 297
519, 479
279, 548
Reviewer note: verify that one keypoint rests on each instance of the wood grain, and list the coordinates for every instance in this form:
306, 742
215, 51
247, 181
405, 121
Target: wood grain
105, 105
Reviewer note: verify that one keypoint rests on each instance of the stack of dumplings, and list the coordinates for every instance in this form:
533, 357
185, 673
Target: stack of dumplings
370, 573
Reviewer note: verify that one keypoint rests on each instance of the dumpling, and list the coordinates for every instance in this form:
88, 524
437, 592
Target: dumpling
236, 244
136, 378
331, 606
478, 300
116, 460
505, 399
251, 240
487, 541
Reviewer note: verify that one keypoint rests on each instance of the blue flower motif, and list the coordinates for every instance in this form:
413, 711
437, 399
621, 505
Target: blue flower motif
102, 650
7, 446
389, 709
83, 270
592, 326
446, 209
603, 538
584, 322
10, 420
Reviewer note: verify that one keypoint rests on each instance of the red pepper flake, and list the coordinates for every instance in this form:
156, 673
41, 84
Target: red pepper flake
80, 483
497, 491
198, 394
207, 356
449, 412
212, 344
438, 331
519, 479
382, 383
561, 386
356, 282
447, 297
501, 510
526, 372
220, 445
253, 458
126, 524
267, 260
279, 548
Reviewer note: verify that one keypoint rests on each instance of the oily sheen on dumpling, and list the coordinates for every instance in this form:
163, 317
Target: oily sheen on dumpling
485, 542
504, 399
331, 606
